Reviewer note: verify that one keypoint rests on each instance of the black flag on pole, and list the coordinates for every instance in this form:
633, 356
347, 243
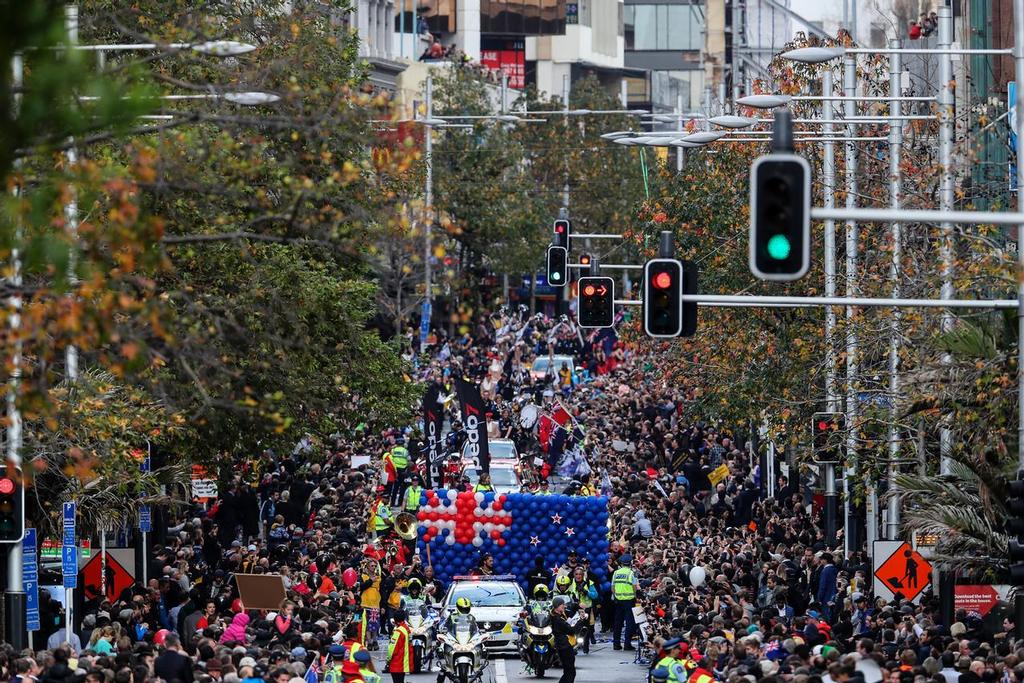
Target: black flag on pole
474, 416
433, 424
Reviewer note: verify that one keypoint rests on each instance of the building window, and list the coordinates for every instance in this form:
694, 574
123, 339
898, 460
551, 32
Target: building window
662, 27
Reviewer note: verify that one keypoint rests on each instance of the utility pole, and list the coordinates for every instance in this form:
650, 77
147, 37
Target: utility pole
892, 524
946, 190
852, 246
828, 173
428, 227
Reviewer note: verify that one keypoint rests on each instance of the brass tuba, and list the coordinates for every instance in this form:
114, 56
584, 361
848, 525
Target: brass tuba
405, 526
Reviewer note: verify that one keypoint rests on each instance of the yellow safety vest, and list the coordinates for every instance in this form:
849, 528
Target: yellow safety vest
369, 676
403, 632
412, 498
400, 457
381, 517
485, 488
670, 663
622, 584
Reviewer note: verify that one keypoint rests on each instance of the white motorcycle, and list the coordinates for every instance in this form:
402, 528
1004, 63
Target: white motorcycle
422, 623
463, 659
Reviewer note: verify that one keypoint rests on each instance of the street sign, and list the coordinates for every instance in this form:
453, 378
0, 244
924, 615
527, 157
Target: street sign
118, 578
204, 488
899, 569
69, 522
30, 580
69, 566
145, 519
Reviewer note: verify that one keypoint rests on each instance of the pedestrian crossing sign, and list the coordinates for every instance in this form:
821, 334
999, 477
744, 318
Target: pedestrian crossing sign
900, 570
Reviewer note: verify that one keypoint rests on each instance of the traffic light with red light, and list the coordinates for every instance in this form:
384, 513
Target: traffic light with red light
780, 217
596, 307
562, 229
828, 430
558, 266
663, 303
12, 506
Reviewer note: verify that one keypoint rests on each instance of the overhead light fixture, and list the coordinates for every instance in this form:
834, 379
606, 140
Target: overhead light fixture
251, 99
764, 101
814, 55
729, 121
617, 134
704, 136
223, 48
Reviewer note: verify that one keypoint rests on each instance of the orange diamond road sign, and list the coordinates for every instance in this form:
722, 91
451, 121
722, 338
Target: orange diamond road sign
904, 572
118, 578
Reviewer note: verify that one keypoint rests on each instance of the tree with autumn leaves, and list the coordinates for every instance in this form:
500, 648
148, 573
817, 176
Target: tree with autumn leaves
766, 366
217, 281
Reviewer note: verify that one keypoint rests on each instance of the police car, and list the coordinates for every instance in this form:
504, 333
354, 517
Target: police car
496, 604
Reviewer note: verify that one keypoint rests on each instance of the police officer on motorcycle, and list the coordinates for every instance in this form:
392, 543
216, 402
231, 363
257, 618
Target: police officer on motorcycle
460, 615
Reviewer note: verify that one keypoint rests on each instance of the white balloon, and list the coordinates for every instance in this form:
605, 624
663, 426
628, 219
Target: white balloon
449, 540
489, 527
697, 576
477, 526
479, 496
489, 512
452, 494
477, 541
500, 527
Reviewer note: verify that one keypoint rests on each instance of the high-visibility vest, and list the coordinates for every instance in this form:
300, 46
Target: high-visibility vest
673, 666
351, 648
400, 457
369, 676
399, 651
381, 517
485, 488
412, 498
582, 591
701, 676
622, 584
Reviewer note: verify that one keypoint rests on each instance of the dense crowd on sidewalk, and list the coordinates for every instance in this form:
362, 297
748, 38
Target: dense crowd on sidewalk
733, 584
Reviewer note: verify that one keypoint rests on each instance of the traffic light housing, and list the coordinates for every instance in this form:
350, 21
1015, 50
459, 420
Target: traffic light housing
12, 506
558, 266
828, 428
596, 306
689, 307
1015, 529
562, 230
663, 303
585, 260
780, 217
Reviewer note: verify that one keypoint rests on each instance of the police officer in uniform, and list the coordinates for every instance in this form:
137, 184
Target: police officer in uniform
672, 661
624, 587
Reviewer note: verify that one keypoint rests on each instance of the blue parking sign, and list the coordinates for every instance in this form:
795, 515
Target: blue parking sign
30, 580
145, 519
69, 565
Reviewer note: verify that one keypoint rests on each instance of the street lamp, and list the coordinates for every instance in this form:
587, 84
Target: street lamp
730, 121
704, 136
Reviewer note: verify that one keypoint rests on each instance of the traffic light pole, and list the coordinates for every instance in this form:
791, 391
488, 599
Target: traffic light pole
14, 596
946, 191
1018, 56
852, 285
741, 300
892, 518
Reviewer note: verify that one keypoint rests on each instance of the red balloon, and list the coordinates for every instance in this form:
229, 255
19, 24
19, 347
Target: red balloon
501, 542
421, 515
495, 534
497, 505
502, 498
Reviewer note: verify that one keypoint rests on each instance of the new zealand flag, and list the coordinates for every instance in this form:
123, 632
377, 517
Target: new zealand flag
456, 529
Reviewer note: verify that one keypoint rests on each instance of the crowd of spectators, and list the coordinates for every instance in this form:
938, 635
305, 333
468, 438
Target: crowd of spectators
772, 600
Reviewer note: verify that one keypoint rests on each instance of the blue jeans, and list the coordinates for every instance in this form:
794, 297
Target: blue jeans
623, 617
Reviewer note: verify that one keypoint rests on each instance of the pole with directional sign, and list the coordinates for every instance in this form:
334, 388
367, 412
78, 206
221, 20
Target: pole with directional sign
30, 583
69, 562
145, 521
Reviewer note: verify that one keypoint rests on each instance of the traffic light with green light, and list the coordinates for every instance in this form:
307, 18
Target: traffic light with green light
12, 506
558, 266
780, 217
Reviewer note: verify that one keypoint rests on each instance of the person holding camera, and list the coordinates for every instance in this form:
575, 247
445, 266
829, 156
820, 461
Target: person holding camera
564, 631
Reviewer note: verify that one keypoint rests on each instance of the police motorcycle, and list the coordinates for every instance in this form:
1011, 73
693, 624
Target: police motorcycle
536, 639
422, 622
460, 647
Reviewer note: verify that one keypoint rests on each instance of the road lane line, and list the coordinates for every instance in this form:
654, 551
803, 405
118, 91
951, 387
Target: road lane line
499, 671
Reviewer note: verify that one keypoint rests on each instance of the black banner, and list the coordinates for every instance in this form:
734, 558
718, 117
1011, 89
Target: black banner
474, 417
433, 425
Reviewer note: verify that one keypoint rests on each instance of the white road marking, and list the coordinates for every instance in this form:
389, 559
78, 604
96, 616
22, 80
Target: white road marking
499, 671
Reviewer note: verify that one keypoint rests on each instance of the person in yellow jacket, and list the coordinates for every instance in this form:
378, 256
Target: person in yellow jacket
484, 485
369, 600
398, 457
412, 496
367, 674
672, 661
380, 518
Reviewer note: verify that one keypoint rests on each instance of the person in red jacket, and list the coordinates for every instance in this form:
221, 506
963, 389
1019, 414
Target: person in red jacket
400, 649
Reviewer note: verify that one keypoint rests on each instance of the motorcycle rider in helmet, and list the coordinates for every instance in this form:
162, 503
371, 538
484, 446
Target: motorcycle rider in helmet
460, 615
540, 601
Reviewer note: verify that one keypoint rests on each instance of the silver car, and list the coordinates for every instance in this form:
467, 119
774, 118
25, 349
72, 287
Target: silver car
496, 605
